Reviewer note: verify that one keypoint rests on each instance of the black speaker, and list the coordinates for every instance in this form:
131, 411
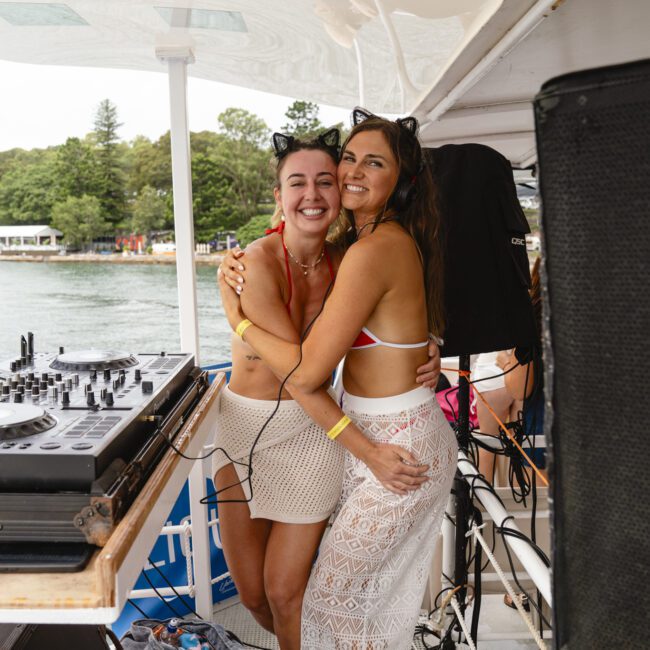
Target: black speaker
486, 271
593, 141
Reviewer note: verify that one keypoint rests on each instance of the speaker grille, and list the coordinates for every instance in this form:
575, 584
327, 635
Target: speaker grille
593, 133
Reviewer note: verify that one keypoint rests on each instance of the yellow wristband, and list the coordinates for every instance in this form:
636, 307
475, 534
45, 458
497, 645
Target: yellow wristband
338, 427
242, 327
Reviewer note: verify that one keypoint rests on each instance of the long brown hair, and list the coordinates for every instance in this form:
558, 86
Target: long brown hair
418, 214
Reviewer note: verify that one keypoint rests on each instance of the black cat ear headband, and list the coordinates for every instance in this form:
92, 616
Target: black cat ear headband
409, 124
284, 144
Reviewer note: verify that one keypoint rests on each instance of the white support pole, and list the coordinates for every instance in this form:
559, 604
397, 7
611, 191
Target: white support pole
200, 539
539, 573
449, 544
177, 59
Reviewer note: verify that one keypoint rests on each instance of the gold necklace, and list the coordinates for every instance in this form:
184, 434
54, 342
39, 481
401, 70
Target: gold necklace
305, 267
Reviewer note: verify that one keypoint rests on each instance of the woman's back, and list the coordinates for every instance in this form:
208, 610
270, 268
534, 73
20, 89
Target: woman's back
394, 340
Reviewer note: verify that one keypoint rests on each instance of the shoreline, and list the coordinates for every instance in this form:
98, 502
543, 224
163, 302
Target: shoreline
204, 260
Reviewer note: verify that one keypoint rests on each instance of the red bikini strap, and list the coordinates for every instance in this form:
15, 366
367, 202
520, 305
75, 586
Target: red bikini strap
286, 264
279, 229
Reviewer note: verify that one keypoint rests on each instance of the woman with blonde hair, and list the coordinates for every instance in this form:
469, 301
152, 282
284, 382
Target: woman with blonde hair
282, 475
367, 585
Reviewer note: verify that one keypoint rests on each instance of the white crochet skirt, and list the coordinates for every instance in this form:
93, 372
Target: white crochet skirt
297, 469
367, 586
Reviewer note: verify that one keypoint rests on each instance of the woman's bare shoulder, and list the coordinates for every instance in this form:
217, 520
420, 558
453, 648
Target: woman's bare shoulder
262, 256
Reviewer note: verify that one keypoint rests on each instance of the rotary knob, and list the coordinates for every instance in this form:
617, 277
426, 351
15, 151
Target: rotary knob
18, 398
35, 391
58, 376
109, 399
65, 398
107, 374
138, 374
93, 375
90, 398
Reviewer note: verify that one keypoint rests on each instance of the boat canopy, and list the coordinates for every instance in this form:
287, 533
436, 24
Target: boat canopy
467, 69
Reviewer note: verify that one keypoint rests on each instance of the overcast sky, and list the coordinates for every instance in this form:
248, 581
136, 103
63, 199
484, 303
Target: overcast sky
44, 105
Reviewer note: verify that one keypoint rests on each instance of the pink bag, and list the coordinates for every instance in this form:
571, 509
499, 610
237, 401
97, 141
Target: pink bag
448, 400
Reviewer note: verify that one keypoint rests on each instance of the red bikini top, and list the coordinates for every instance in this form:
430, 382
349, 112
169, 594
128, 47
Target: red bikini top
280, 230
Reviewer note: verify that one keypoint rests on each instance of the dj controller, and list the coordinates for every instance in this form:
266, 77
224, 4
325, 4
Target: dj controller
80, 432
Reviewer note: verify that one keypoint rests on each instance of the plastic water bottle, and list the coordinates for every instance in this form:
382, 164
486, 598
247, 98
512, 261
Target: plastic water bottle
170, 633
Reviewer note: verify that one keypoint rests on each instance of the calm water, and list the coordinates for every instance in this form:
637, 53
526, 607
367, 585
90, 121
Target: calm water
129, 307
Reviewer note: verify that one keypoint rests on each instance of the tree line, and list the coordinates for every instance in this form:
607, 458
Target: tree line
101, 186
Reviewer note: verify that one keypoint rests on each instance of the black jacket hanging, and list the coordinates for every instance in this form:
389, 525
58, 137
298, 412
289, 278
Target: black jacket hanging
487, 275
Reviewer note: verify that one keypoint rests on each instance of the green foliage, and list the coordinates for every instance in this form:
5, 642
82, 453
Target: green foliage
241, 126
253, 229
80, 219
303, 121
111, 180
213, 200
243, 158
231, 179
26, 194
75, 170
149, 211
149, 163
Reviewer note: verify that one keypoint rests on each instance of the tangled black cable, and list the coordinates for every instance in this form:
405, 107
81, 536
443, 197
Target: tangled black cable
249, 465
476, 483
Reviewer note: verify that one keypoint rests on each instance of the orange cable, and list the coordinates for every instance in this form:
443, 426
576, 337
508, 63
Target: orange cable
512, 438
466, 373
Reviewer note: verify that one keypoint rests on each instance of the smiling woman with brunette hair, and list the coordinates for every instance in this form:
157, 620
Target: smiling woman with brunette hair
282, 475
367, 585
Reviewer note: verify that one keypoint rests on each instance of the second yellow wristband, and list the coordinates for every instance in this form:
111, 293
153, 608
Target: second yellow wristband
242, 327
338, 427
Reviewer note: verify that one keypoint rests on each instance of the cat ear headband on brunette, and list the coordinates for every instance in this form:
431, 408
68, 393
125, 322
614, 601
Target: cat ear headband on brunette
409, 124
284, 144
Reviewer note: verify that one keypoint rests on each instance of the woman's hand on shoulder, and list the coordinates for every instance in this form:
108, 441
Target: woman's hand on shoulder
232, 269
231, 303
398, 470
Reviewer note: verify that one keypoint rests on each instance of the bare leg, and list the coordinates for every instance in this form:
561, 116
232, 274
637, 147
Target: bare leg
290, 553
501, 401
244, 546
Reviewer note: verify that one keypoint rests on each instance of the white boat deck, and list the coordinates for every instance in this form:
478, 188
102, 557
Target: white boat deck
496, 620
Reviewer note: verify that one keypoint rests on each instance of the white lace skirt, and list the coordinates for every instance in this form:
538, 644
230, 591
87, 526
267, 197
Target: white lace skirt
297, 469
366, 588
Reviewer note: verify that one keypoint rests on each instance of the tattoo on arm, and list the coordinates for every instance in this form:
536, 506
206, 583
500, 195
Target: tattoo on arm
253, 357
